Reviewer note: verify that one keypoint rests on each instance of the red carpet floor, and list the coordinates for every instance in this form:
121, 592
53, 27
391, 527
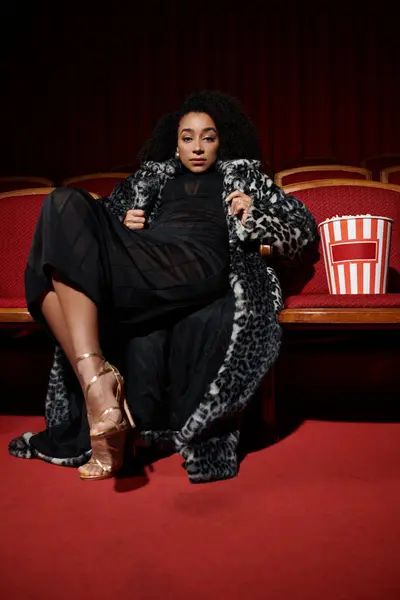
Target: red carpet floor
315, 516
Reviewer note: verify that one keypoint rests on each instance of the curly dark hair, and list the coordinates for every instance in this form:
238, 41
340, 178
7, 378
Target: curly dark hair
237, 134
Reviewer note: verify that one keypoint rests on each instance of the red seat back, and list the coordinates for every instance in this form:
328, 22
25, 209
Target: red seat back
100, 183
345, 197
8, 184
306, 161
375, 164
316, 172
19, 212
391, 175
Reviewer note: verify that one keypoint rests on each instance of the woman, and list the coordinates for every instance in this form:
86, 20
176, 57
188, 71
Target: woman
171, 260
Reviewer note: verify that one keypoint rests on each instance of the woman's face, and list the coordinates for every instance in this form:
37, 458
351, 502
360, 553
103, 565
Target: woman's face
198, 142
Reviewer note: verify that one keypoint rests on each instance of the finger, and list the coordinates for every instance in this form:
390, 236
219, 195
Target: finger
235, 194
238, 205
244, 216
133, 225
135, 212
234, 206
136, 219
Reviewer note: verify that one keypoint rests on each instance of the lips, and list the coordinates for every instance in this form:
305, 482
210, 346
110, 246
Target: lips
198, 160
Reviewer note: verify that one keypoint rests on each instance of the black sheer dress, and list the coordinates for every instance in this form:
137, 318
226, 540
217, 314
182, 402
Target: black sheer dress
182, 260
163, 296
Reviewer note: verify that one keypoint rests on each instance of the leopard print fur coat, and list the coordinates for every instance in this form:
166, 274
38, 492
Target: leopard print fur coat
275, 219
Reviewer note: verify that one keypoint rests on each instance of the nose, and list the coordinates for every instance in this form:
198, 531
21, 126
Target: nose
199, 147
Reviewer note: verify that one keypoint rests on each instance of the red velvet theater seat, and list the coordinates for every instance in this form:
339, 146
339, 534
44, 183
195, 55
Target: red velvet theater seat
99, 183
326, 199
377, 163
317, 172
19, 211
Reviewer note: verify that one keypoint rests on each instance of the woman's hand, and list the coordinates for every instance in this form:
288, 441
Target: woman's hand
240, 204
134, 219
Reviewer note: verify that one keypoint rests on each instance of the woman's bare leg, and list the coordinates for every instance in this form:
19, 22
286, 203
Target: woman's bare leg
54, 316
73, 332
72, 317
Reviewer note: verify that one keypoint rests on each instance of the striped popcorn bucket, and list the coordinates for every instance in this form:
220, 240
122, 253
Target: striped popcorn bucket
356, 253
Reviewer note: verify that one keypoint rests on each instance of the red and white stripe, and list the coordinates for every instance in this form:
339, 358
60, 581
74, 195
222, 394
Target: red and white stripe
356, 254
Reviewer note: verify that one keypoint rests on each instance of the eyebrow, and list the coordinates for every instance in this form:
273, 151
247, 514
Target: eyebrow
204, 130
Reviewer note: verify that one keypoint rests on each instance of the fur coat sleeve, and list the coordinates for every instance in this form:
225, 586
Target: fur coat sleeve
141, 190
275, 218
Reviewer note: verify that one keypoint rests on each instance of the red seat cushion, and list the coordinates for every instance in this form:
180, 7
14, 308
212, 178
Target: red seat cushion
343, 301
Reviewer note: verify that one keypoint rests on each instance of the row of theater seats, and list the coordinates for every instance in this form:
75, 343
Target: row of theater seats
103, 183
98, 183
305, 289
315, 172
373, 164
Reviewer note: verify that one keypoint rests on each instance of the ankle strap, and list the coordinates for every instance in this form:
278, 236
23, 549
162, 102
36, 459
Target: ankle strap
88, 355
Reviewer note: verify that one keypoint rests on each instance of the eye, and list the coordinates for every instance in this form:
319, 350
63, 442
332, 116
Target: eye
210, 138
186, 138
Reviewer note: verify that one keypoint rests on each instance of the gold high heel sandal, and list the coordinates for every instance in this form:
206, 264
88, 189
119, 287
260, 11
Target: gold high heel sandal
113, 438
109, 453
122, 404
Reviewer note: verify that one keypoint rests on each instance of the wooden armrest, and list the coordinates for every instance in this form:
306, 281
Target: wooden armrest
265, 251
15, 315
334, 316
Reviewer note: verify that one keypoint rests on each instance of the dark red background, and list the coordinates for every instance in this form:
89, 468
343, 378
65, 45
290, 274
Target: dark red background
85, 84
